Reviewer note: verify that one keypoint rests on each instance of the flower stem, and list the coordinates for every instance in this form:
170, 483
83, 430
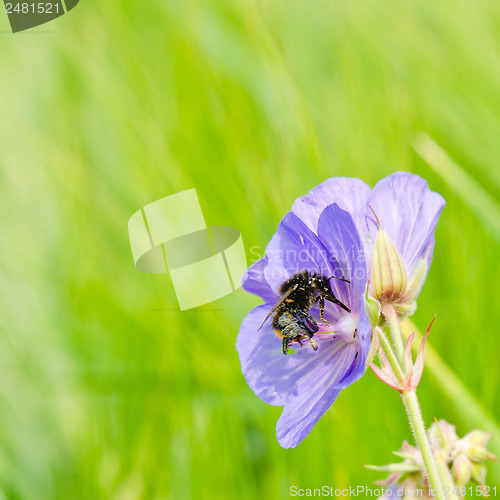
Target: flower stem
447, 479
391, 357
392, 319
417, 425
410, 400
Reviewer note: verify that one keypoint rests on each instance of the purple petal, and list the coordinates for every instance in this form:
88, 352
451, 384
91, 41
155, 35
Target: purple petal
315, 393
408, 211
299, 418
254, 281
292, 249
260, 356
300, 247
275, 273
350, 194
364, 338
337, 232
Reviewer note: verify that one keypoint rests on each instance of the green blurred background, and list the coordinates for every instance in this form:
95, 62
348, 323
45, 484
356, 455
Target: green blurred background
107, 391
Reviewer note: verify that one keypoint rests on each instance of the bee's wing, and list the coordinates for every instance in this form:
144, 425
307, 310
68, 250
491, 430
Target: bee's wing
280, 301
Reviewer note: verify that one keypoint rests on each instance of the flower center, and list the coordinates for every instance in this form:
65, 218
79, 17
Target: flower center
345, 328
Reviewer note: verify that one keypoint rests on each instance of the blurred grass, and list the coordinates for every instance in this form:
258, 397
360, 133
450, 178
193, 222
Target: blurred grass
108, 393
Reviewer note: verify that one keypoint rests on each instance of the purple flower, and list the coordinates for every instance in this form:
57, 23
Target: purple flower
307, 382
331, 231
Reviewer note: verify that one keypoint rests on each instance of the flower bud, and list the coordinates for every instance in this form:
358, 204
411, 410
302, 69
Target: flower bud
479, 473
388, 270
442, 438
480, 454
416, 281
477, 437
462, 469
474, 445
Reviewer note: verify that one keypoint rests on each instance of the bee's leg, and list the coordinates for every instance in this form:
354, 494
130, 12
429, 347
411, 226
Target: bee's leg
285, 344
289, 334
313, 344
322, 309
334, 300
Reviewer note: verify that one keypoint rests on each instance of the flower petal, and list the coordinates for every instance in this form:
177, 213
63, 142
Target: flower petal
260, 356
337, 232
408, 211
254, 281
364, 340
350, 194
340, 365
275, 273
299, 418
294, 248
315, 393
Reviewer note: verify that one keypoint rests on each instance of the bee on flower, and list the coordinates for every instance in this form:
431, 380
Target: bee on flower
333, 232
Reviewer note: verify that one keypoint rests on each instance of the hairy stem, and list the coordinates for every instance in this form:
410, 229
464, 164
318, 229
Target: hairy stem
447, 479
417, 425
391, 357
410, 400
392, 320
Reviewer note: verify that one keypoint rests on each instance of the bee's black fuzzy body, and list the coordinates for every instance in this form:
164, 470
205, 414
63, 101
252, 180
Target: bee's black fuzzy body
300, 293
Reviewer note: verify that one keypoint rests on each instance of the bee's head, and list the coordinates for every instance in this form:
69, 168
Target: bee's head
322, 284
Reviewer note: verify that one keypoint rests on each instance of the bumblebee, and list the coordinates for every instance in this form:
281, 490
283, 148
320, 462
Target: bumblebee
301, 292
